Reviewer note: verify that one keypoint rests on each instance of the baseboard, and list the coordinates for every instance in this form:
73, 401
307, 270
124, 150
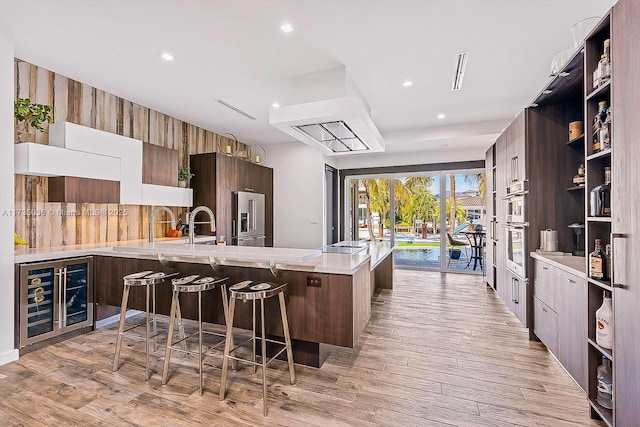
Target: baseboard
9, 356
115, 318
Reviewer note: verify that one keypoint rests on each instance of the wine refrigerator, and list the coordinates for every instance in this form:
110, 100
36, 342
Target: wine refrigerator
55, 298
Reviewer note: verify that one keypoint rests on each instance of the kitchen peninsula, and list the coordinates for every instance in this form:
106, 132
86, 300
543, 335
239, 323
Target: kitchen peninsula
328, 294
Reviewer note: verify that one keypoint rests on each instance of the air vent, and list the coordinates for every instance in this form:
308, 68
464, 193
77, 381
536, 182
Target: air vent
336, 136
461, 64
237, 110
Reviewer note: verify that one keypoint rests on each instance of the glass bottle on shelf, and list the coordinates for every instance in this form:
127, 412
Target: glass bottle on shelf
604, 322
606, 193
601, 128
600, 196
596, 262
605, 384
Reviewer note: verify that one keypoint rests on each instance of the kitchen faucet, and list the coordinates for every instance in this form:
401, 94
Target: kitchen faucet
192, 218
154, 212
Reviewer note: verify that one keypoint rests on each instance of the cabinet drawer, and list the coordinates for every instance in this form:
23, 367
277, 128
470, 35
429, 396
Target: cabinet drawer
544, 286
545, 325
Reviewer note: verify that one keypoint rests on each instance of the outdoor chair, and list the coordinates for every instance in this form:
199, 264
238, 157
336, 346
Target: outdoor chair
455, 242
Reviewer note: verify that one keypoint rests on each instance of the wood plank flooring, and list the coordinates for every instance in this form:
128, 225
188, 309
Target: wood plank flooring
439, 350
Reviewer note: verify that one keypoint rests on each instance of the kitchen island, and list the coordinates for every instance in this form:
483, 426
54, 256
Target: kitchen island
328, 294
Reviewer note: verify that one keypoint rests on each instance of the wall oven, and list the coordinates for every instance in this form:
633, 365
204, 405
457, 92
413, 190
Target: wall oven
516, 249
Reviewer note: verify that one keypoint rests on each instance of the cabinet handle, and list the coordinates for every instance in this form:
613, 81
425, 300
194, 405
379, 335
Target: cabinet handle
543, 309
571, 281
515, 291
63, 300
60, 303
612, 239
544, 268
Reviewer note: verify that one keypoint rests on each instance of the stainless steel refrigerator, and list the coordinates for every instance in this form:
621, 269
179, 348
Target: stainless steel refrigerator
247, 223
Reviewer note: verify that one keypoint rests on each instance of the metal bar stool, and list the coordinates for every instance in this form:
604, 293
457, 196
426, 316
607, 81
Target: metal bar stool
190, 284
148, 279
252, 291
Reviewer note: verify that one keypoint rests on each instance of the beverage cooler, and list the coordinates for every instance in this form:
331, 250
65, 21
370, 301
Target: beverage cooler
55, 298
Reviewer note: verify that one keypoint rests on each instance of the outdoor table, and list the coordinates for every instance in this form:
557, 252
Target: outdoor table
476, 240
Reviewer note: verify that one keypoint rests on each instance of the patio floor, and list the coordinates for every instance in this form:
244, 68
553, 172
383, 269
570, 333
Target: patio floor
430, 258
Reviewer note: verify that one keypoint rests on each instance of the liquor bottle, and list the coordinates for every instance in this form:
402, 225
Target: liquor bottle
596, 262
605, 194
598, 124
604, 322
605, 131
600, 197
605, 384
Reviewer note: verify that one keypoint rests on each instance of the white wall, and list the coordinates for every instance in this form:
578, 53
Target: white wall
298, 194
7, 351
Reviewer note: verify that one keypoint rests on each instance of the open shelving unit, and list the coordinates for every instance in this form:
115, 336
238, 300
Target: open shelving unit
596, 227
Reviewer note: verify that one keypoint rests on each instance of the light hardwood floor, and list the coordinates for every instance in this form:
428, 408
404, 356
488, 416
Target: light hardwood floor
439, 350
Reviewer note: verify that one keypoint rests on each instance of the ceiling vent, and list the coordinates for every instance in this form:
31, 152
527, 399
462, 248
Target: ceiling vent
461, 65
236, 109
330, 115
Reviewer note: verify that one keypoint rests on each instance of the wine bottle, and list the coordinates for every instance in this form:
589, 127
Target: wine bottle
596, 262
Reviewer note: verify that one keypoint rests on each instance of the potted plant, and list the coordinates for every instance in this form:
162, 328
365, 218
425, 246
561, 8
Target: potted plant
184, 175
30, 114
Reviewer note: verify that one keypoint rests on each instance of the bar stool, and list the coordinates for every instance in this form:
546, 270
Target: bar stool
252, 291
148, 279
190, 284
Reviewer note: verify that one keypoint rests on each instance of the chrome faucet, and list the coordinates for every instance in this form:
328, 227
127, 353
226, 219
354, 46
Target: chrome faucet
192, 219
154, 212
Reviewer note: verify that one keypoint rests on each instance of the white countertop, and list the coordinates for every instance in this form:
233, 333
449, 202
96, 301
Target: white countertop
576, 265
283, 258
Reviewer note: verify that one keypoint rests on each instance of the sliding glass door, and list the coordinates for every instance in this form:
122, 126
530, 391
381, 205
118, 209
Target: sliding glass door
436, 221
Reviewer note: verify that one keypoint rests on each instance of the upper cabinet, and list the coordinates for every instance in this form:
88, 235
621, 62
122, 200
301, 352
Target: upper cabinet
217, 176
103, 167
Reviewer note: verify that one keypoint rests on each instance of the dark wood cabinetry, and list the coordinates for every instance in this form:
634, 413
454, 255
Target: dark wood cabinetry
625, 45
559, 310
217, 176
490, 200
333, 313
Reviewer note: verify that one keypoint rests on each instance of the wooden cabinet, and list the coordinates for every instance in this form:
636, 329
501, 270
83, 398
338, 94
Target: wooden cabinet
500, 179
572, 325
217, 176
490, 198
625, 45
515, 155
545, 325
559, 317
516, 295
544, 286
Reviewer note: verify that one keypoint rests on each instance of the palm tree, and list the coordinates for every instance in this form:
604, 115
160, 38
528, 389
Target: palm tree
370, 188
381, 200
477, 180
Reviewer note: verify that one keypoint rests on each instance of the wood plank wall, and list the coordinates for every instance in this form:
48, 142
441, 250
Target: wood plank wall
45, 224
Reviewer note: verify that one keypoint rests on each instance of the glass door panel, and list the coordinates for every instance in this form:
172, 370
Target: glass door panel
76, 277
465, 219
374, 209
417, 225
40, 296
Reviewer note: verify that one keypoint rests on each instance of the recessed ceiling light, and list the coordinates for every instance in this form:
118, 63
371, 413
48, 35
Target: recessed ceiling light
407, 83
166, 56
441, 116
287, 28
275, 105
